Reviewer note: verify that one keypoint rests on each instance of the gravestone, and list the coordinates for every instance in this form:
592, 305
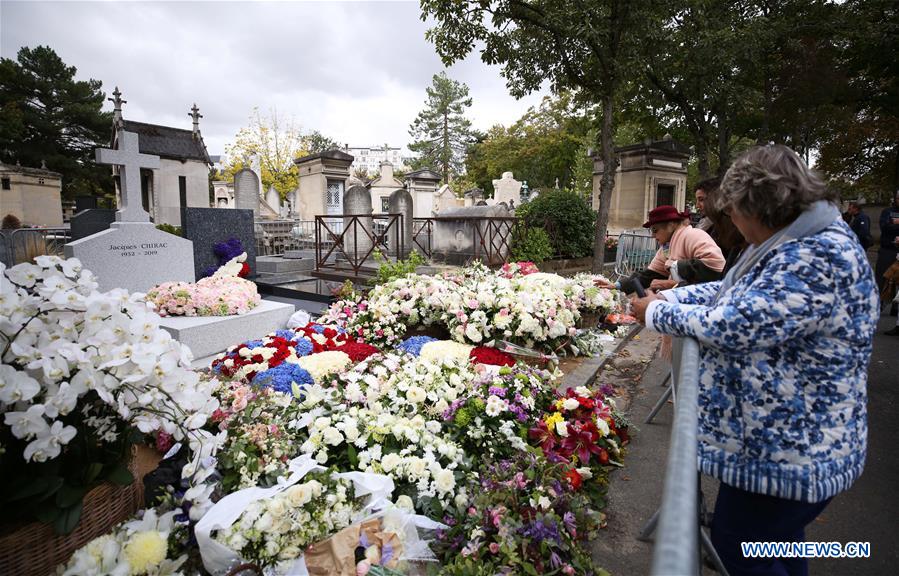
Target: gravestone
357, 202
446, 199
85, 203
91, 221
273, 199
507, 190
132, 253
400, 202
458, 232
246, 191
206, 227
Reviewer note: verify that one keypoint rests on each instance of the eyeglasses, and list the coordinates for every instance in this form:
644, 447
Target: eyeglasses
654, 229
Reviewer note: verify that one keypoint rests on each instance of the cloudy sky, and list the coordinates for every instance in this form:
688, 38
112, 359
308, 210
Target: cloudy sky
356, 71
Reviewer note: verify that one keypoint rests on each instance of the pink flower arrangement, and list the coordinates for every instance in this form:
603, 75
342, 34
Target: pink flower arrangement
512, 269
213, 296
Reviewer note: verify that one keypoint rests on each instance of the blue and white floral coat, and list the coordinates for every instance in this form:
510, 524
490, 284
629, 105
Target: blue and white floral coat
783, 367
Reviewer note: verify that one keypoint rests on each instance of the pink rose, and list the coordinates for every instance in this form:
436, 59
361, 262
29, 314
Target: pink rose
494, 547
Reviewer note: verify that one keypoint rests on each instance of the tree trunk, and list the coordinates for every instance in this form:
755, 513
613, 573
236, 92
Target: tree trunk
723, 145
446, 149
702, 155
606, 183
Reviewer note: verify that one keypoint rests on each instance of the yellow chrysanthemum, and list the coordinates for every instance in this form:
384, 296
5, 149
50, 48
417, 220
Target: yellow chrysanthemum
145, 550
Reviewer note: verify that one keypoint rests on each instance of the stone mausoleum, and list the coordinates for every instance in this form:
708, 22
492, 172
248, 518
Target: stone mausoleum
652, 173
33, 195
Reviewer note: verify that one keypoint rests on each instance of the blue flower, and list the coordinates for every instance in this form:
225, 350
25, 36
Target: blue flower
412, 345
253, 343
282, 377
286, 334
302, 345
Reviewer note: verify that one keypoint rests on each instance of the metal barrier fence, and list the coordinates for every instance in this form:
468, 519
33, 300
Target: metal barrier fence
636, 250
676, 549
23, 244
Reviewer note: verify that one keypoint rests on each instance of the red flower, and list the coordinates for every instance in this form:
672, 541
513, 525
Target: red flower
544, 436
358, 351
244, 270
574, 478
491, 356
164, 441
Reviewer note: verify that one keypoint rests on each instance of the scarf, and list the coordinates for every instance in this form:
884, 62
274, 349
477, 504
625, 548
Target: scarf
816, 218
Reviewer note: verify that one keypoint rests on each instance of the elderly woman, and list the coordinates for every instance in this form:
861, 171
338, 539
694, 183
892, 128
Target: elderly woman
686, 255
785, 341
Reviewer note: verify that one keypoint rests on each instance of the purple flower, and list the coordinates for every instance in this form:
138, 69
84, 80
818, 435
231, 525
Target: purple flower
501, 392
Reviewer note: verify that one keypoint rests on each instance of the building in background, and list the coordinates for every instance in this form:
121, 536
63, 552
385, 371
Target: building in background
370, 158
33, 195
182, 179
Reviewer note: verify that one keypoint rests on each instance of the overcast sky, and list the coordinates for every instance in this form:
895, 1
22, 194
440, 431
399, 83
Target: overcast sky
356, 71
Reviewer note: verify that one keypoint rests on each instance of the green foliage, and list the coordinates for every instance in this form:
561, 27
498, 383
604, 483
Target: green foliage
441, 133
567, 219
276, 142
176, 230
388, 270
48, 116
542, 146
532, 246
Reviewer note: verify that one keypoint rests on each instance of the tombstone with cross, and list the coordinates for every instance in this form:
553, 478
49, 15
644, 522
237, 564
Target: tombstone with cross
132, 253
130, 161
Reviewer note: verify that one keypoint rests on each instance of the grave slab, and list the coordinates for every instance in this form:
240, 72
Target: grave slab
281, 265
207, 335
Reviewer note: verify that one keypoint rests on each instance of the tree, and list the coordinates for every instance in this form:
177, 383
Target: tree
441, 134
863, 145
48, 116
317, 142
586, 47
276, 142
541, 147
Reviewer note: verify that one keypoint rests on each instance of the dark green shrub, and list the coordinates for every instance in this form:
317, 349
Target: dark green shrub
532, 246
176, 230
567, 219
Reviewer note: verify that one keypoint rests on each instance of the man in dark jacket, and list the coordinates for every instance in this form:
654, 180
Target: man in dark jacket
889, 240
860, 223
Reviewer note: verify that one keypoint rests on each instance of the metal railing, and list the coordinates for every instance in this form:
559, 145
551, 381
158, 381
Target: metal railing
491, 238
676, 550
23, 244
357, 239
422, 235
636, 249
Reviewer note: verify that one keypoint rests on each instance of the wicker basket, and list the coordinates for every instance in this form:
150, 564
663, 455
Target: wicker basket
589, 320
34, 549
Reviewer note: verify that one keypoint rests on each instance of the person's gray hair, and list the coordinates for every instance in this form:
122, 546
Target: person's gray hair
773, 184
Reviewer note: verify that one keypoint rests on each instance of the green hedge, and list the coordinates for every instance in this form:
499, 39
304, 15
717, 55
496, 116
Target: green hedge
567, 219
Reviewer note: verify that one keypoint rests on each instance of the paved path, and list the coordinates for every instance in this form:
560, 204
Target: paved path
868, 512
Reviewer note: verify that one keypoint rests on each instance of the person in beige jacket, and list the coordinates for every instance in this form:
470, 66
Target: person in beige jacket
686, 255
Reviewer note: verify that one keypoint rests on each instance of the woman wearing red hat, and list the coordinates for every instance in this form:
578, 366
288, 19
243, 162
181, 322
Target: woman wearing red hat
686, 255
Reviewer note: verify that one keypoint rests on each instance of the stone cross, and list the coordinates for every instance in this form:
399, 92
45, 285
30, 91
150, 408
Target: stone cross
117, 108
130, 161
195, 114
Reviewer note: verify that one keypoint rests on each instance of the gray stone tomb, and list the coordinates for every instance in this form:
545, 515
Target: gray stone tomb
246, 191
91, 221
456, 232
132, 253
356, 241
400, 202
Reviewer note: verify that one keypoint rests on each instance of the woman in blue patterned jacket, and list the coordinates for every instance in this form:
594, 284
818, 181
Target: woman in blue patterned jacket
785, 341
